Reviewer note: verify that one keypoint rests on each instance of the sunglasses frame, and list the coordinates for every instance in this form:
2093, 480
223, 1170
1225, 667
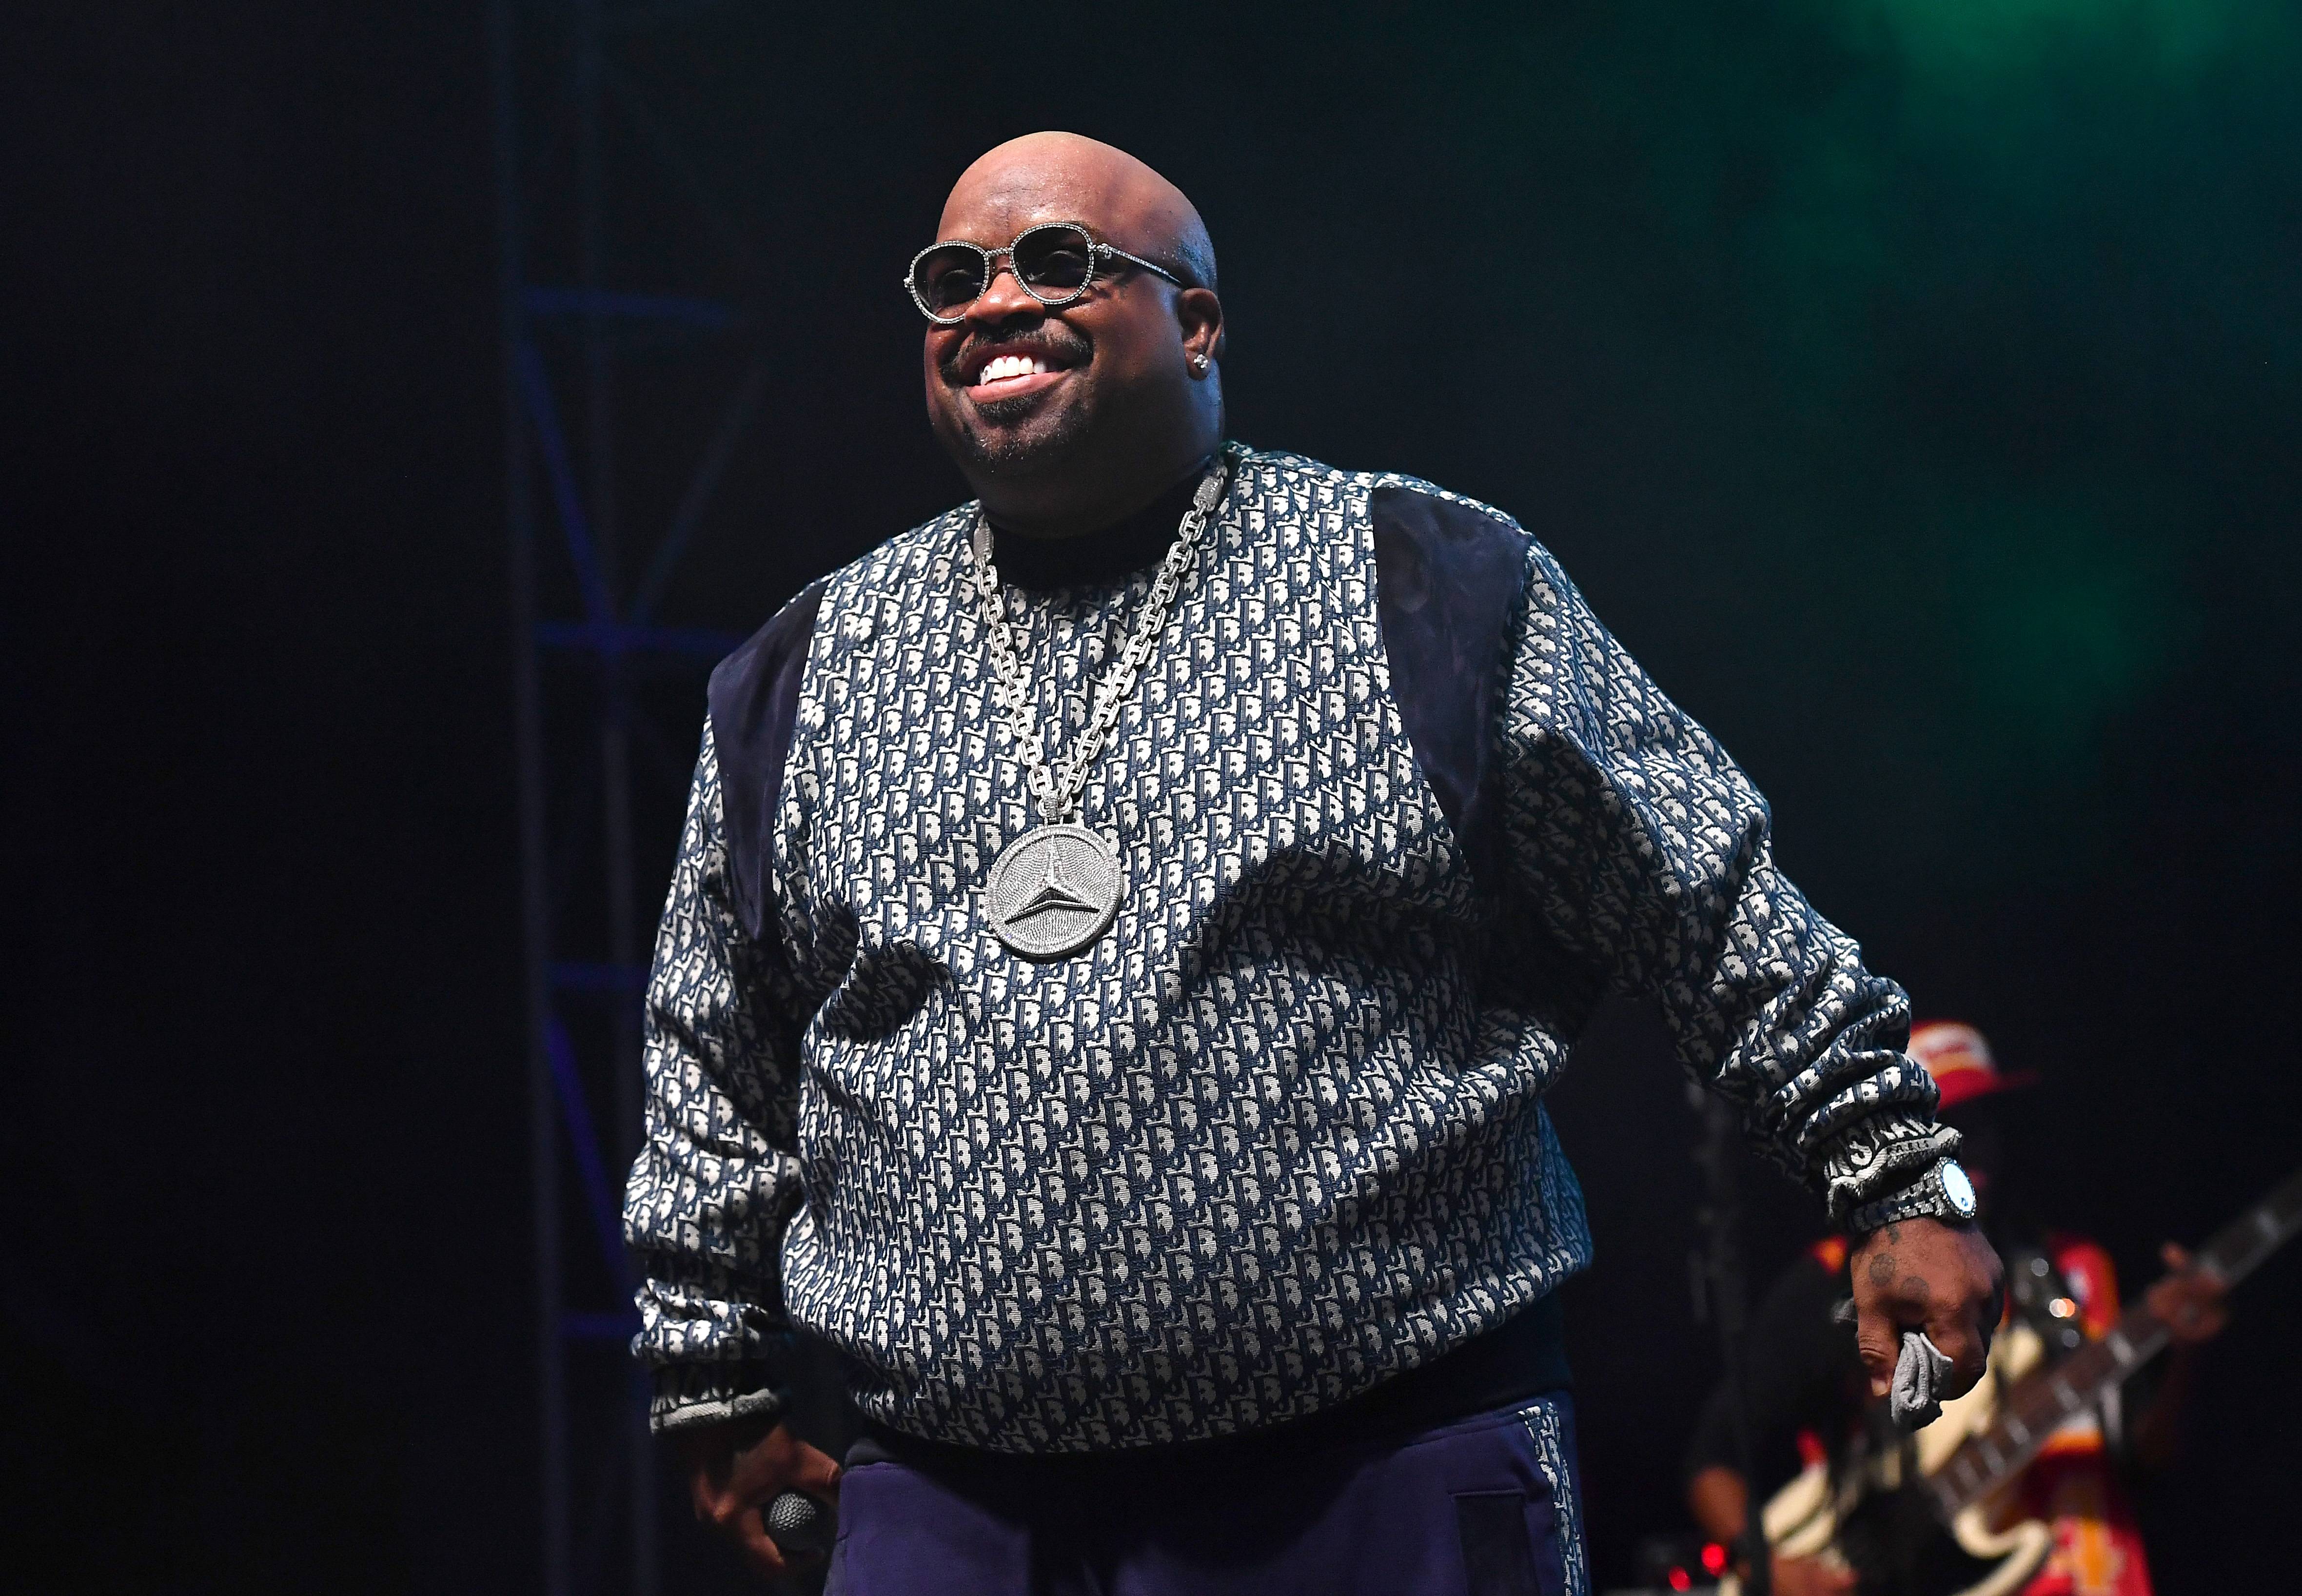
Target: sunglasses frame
1097, 252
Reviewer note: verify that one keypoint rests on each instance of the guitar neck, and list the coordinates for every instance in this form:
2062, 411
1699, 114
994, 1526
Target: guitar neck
2040, 1404
2261, 1230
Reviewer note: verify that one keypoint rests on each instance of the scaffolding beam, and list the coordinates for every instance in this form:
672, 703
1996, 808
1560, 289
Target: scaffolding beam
585, 644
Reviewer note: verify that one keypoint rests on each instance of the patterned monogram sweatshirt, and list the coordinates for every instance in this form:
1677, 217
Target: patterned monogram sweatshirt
1393, 811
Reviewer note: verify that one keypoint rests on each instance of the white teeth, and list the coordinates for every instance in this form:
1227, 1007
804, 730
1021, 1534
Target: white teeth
1011, 365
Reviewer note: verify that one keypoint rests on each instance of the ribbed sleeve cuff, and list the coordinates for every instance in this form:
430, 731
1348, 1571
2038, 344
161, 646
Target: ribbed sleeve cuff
688, 1396
1880, 1155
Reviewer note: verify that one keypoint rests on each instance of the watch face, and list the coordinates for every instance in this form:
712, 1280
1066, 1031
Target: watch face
1957, 1189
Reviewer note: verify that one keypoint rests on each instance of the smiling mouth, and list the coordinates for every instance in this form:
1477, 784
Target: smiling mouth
1008, 376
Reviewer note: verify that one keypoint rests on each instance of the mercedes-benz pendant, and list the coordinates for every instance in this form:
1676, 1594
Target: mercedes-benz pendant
1053, 891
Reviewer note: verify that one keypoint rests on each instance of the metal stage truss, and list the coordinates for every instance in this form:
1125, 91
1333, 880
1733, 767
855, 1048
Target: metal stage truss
626, 353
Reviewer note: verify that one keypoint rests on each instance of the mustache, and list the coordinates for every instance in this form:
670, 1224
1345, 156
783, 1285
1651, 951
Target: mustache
1050, 339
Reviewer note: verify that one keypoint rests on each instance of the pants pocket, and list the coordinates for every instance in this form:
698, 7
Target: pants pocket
1509, 1543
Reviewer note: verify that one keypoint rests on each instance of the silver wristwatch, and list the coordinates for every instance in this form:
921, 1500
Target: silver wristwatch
1944, 1193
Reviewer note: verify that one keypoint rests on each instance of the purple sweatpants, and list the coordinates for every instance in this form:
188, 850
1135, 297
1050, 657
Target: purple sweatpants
1484, 1507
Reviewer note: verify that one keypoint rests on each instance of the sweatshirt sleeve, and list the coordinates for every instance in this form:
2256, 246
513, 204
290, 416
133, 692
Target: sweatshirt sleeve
716, 1180
1640, 858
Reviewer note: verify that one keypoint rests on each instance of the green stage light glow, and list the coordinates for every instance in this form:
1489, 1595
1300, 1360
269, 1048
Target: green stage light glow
1998, 36
2060, 619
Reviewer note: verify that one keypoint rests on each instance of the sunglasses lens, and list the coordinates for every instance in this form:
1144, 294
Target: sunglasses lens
1055, 260
948, 280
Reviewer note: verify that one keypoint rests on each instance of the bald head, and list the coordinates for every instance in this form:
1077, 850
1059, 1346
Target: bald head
1063, 177
1066, 417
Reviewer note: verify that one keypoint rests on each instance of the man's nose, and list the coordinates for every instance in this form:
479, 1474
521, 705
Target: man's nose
1003, 298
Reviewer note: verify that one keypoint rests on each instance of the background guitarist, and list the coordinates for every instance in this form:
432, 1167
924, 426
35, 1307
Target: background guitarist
1808, 1396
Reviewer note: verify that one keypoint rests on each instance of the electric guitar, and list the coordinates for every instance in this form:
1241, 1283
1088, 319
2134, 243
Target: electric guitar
1917, 1520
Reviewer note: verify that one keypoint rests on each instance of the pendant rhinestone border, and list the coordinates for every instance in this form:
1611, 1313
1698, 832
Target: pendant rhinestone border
1058, 890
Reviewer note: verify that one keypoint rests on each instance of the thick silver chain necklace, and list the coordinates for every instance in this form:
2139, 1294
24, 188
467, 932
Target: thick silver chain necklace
1056, 889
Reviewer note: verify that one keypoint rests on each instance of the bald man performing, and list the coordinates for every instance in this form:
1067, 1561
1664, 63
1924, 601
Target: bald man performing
1123, 934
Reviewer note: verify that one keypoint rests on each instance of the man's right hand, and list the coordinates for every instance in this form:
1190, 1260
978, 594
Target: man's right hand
1925, 1276
734, 1470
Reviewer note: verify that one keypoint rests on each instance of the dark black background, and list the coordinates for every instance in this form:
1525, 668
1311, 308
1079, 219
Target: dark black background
1913, 386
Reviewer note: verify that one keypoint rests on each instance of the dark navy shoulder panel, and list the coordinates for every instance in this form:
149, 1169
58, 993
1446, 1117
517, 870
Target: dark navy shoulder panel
1448, 579
754, 700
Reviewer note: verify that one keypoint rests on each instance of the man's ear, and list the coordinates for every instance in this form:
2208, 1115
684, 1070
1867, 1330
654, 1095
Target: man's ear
1200, 313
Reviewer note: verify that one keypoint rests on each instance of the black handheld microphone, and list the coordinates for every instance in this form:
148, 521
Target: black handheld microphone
798, 1525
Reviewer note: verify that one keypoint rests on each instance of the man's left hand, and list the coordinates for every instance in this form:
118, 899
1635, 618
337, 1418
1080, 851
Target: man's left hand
1923, 1274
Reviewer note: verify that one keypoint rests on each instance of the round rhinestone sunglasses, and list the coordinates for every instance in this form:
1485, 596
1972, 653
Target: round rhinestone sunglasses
1054, 261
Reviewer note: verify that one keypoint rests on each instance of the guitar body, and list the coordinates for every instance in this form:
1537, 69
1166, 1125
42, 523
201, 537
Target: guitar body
1895, 1545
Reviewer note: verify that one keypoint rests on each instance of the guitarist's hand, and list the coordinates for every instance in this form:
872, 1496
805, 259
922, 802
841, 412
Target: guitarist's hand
1811, 1576
1923, 1274
2193, 1302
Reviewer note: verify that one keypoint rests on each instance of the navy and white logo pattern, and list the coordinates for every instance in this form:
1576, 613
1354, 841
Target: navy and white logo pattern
716, 1181
1272, 1138
1553, 1434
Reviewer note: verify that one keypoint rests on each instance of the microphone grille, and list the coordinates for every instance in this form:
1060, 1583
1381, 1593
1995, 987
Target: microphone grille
798, 1522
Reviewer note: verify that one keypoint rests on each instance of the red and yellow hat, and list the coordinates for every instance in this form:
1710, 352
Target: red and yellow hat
1960, 1061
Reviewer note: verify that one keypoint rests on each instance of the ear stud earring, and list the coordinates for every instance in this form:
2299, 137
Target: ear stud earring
1199, 364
